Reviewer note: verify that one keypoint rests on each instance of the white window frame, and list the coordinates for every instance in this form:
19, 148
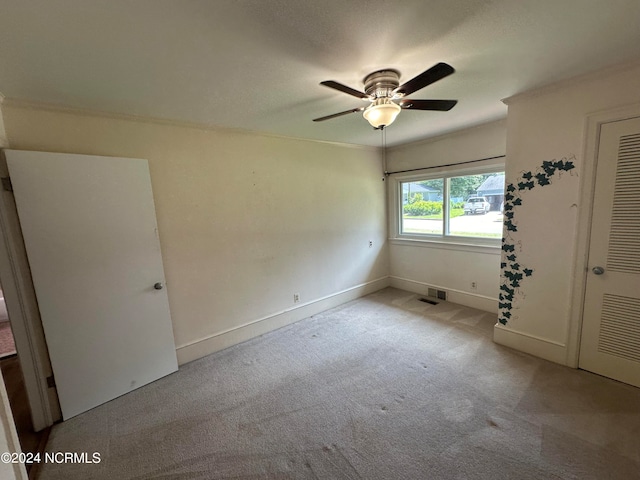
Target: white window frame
437, 240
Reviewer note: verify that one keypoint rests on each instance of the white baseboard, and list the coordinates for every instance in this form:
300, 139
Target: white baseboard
222, 340
467, 299
537, 346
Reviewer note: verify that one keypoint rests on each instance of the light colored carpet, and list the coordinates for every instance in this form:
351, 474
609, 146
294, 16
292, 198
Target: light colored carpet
385, 387
7, 345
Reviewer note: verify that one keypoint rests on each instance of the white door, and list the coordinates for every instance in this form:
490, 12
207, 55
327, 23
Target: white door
90, 232
610, 343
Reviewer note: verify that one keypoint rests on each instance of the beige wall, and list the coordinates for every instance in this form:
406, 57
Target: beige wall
245, 220
546, 125
416, 266
482, 141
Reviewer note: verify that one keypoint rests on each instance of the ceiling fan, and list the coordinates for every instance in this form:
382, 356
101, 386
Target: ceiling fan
382, 87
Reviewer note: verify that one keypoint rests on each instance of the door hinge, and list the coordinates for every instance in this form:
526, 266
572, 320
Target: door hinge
7, 186
51, 382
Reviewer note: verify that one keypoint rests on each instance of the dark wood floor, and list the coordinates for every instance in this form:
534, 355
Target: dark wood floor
30, 441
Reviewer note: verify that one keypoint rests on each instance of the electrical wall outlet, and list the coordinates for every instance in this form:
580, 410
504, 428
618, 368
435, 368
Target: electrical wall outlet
296, 297
370, 244
474, 286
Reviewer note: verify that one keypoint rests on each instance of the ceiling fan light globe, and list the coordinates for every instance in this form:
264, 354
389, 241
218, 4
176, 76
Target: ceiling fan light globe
381, 114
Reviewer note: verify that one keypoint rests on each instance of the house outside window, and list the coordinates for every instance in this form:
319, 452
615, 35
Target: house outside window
493, 190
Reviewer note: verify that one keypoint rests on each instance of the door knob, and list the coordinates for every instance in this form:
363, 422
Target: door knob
158, 286
597, 270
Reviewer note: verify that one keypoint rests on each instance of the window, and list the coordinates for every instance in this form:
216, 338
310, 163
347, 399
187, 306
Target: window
422, 206
449, 206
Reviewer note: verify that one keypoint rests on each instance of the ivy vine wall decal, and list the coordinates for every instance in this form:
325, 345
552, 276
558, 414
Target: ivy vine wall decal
513, 272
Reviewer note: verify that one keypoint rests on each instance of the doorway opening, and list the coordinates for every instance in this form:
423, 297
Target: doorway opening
7, 344
30, 440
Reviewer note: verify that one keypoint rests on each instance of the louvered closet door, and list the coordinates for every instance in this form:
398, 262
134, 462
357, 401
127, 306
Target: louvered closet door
611, 323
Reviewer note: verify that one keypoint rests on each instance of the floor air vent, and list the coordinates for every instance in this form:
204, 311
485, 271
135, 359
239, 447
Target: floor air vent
428, 300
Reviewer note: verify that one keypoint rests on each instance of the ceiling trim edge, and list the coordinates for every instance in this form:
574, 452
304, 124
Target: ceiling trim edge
451, 133
53, 107
594, 75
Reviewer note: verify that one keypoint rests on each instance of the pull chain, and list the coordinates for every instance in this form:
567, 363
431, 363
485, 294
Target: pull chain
384, 152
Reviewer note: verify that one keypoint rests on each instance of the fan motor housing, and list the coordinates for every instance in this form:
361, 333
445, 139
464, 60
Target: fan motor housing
380, 84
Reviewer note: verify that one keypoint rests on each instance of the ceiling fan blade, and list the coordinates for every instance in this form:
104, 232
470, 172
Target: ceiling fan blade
435, 73
329, 117
439, 105
344, 89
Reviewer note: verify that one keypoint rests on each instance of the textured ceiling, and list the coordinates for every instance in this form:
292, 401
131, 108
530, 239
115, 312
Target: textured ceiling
257, 64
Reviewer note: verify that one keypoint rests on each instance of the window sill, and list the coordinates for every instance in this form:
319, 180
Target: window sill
491, 247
